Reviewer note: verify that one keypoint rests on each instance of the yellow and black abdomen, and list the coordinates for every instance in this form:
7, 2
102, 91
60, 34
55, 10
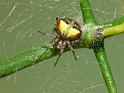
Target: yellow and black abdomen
68, 29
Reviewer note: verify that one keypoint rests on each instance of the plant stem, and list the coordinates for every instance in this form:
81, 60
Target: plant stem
113, 27
25, 59
28, 58
105, 68
88, 17
114, 30
114, 22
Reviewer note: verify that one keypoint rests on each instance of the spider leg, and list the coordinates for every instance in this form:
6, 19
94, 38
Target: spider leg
43, 33
54, 30
46, 34
71, 48
59, 56
57, 60
61, 47
43, 53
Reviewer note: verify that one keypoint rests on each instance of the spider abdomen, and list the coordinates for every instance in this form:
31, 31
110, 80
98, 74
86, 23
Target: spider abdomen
68, 29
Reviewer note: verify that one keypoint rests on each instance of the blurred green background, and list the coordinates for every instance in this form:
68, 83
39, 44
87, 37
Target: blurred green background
19, 22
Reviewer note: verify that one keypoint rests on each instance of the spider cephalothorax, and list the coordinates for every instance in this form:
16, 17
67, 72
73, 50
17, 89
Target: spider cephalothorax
68, 31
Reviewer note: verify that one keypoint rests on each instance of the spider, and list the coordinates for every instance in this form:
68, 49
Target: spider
68, 31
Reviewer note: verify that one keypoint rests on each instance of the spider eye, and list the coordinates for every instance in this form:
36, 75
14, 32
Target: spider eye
57, 18
77, 26
73, 26
67, 22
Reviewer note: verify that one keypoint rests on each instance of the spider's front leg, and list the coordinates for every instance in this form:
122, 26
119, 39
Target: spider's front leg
54, 30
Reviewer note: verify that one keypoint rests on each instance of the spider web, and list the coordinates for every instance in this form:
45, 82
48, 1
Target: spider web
20, 21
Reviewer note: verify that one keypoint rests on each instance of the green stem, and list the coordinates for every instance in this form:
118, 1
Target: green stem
88, 17
114, 30
115, 22
25, 59
114, 27
105, 68
28, 58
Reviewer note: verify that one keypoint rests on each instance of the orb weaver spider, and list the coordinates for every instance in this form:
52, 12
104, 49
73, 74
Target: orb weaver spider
68, 31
